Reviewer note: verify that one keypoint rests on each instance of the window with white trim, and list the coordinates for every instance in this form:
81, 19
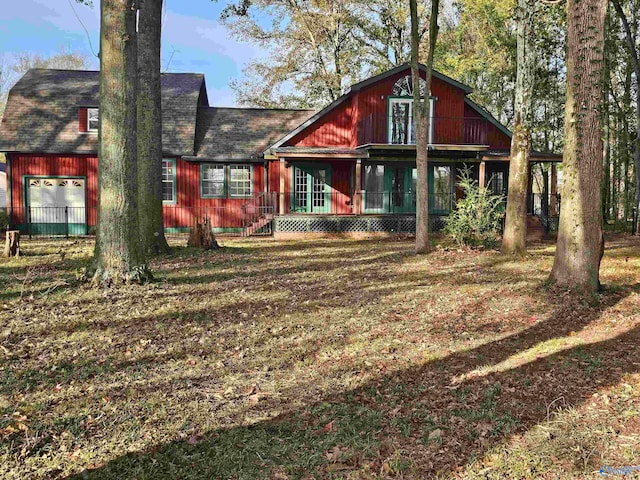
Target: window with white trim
239, 180
93, 119
169, 180
212, 178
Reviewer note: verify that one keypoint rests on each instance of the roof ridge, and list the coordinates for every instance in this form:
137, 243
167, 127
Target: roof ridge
262, 109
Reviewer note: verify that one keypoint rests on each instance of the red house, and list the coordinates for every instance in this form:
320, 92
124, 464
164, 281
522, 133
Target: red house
347, 168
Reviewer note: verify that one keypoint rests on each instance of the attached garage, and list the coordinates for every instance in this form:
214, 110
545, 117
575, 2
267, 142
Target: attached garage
56, 206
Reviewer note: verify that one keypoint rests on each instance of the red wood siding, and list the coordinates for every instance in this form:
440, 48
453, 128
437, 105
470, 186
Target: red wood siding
82, 120
53, 165
334, 129
224, 212
339, 127
495, 137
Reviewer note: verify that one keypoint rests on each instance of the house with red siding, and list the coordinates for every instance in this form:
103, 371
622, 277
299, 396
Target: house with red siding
348, 168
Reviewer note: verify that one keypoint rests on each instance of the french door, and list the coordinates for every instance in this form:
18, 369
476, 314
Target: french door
311, 189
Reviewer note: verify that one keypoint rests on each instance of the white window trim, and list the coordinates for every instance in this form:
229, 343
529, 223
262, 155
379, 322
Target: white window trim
89, 129
410, 102
250, 167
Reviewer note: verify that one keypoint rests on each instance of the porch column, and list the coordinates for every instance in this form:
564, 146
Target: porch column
482, 180
282, 173
357, 192
553, 203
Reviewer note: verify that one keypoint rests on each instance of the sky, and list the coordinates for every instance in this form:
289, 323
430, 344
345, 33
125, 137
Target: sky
193, 40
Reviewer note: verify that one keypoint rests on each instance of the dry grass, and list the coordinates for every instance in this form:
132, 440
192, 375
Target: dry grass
330, 359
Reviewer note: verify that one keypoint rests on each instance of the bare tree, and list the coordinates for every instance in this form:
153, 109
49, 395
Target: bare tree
421, 115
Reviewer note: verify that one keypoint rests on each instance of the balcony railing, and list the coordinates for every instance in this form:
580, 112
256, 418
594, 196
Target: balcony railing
400, 130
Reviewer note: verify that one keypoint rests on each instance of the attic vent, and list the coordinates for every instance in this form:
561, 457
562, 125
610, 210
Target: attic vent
404, 87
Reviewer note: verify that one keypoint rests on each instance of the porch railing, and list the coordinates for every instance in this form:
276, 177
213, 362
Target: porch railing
389, 129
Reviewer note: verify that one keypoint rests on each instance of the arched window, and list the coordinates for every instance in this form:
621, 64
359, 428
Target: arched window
404, 87
401, 126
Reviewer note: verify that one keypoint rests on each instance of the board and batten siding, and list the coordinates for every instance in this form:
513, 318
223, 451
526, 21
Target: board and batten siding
42, 165
339, 127
189, 205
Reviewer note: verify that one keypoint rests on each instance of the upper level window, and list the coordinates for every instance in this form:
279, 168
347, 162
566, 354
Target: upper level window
239, 180
169, 180
401, 125
92, 119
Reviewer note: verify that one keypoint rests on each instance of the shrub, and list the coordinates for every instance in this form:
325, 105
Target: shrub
477, 218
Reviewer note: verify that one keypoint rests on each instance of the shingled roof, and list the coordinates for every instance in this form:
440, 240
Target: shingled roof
42, 112
225, 134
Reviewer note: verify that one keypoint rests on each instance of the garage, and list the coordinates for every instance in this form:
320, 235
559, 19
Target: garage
56, 206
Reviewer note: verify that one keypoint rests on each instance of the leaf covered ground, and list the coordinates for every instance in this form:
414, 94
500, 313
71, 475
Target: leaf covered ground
318, 359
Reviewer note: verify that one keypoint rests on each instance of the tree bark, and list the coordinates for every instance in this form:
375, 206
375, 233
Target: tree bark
152, 237
514, 238
12, 244
118, 256
577, 260
421, 119
635, 57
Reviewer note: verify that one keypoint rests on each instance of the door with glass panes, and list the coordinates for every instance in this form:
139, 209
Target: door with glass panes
440, 189
311, 191
389, 188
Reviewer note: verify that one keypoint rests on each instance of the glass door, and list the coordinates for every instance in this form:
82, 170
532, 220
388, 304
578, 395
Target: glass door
311, 189
440, 189
401, 121
400, 183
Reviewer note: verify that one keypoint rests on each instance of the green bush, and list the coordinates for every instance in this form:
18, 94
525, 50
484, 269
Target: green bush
477, 218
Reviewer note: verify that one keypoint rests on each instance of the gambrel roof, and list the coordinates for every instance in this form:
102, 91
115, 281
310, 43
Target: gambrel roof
43, 108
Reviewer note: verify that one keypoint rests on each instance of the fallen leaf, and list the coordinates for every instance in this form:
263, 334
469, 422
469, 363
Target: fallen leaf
328, 427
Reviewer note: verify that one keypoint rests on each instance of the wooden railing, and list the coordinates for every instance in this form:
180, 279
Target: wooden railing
394, 130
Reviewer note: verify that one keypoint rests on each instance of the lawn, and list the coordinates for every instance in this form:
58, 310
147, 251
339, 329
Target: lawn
318, 359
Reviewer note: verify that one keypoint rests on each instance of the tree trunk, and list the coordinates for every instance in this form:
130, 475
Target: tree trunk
118, 256
577, 259
635, 57
514, 239
12, 244
201, 235
421, 119
152, 237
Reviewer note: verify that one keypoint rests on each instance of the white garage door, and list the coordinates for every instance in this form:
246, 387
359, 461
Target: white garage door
57, 200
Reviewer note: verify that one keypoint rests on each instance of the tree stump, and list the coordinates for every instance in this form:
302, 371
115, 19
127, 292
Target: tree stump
201, 236
12, 244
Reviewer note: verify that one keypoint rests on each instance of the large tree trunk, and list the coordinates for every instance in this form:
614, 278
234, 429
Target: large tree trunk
118, 256
152, 237
514, 239
421, 119
578, 253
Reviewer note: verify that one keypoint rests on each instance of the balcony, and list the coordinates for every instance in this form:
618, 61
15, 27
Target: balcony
400, 130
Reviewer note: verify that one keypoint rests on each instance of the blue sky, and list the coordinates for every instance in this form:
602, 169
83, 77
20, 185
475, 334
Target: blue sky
191, 32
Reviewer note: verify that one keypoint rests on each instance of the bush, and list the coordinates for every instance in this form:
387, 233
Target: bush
477, 218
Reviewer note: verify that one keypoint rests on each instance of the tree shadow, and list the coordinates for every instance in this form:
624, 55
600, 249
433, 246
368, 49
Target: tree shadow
441, 414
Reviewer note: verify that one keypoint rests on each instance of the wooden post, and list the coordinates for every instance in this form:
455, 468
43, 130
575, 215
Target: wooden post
482, 176
553, 204
12, 244
282, 193
357, 193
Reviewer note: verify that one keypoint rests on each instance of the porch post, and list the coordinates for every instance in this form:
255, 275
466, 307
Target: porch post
282, 193
553, 204
357, 193
482, 180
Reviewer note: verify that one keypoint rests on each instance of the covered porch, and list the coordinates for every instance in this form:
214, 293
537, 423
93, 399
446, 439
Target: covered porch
368, 184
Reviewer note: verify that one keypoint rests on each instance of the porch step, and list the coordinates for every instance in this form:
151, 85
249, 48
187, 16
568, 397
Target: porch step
262, 222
